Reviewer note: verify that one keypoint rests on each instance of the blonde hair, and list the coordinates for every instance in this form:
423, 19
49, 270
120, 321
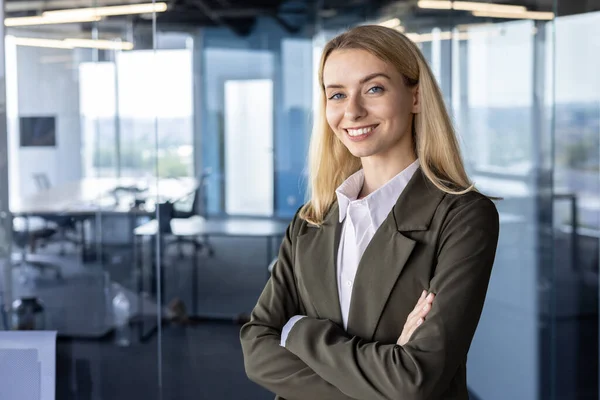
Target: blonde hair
434, 139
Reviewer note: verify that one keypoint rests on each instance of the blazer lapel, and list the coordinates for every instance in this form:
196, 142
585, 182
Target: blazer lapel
317, 257
387, 254
378, 270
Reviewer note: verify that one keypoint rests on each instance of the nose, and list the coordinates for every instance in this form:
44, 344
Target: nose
354, 109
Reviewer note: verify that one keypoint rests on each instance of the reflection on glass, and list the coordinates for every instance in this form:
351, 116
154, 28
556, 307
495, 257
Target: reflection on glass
155, 85
97, 99
494, 108
577, 209
249, 147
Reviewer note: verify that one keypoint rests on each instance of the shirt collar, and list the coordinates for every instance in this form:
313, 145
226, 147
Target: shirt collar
381, 201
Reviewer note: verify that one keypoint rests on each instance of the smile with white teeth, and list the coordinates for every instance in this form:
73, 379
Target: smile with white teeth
361, 131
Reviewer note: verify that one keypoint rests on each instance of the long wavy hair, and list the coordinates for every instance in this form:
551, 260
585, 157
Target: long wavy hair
434, 139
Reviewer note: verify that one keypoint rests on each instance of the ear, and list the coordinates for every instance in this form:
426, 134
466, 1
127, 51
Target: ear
416, 105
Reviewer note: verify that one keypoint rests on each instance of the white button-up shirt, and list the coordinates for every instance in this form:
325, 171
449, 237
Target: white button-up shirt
361, 219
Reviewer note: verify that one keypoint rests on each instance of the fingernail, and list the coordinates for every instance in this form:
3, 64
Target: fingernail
430, 296
423, 293
420, 321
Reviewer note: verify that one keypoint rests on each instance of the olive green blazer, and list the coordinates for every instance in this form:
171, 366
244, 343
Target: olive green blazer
431, 240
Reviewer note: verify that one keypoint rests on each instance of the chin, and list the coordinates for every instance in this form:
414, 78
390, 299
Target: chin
360, 153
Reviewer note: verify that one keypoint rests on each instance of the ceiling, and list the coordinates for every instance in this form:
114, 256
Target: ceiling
240, 15
292, 15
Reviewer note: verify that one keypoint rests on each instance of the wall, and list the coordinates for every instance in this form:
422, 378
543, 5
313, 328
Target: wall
269, 52
46, 84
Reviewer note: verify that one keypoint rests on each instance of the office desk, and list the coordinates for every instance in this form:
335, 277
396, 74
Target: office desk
231, 227
93, 197
271, 230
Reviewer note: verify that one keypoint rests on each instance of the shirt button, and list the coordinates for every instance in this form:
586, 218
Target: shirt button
348, 283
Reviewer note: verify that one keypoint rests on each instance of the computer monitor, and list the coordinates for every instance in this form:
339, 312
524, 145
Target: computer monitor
37, 131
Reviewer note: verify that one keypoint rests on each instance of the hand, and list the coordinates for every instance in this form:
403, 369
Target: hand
416, 317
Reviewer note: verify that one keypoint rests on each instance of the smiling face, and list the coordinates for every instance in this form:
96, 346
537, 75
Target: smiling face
369, 107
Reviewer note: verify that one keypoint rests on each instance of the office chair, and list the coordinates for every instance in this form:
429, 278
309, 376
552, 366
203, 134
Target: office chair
41, 181
63, 223
187, 207
27, 233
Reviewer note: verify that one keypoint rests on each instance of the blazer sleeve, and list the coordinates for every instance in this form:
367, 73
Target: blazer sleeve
266, 362
424, 366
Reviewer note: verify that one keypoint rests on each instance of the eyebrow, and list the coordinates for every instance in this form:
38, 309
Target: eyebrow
362, 81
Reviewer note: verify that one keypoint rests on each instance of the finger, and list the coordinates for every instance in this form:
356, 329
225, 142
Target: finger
419, 308
418, 305
414, 312
417, 316
421, 313
425, 309
422, 297
430, 297
413, 328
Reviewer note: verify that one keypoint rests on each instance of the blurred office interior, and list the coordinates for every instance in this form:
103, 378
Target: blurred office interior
152, 154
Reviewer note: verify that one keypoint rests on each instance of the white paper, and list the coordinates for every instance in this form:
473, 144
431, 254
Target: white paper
27, 365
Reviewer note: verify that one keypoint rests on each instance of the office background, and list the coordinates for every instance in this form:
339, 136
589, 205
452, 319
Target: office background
150, 160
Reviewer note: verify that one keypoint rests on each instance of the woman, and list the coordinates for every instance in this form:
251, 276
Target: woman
392, 216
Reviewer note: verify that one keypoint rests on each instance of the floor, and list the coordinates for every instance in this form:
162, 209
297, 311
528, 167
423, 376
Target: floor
204, 361
201, 362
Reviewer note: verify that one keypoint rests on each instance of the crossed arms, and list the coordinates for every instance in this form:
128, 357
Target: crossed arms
321, 361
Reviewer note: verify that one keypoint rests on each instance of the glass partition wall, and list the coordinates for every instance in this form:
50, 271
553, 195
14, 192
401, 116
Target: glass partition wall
519, 82
521, 87
576, 208
125, 133
143, 148
84, 172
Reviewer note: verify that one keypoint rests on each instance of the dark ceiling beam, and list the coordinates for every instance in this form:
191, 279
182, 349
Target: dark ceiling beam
286, 25
201, 5
243, 12
227, 14
224, 3
240, 27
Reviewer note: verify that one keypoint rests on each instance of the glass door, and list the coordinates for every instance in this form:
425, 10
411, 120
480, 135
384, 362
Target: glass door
496, 75
499, 105
576, 208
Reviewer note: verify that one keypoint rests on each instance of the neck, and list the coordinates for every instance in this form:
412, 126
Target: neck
379, 171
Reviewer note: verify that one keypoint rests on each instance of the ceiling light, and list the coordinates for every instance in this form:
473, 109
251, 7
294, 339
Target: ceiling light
28, 21
435, 4
90, 14
469, 6
100, 44
146, 8
327, 13
466, 27
539, 15
443, 35
390, 23
490, 7
71, 43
